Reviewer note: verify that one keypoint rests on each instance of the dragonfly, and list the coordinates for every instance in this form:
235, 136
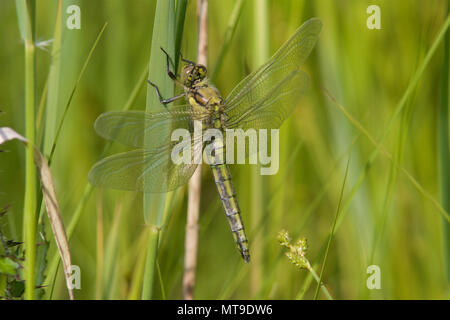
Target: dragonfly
262, 100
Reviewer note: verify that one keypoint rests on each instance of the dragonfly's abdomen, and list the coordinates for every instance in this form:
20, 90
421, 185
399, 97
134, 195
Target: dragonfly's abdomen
222, 178
207, 100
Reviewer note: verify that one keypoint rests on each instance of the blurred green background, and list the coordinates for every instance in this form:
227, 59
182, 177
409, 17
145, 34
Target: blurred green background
385, 218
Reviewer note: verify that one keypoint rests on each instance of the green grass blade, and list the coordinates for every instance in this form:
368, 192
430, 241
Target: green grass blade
150, 263
111, 257
163, 37
333, 227
138, 271
52, 112
154, 204
161, 282
180, 14
26, 15
444, 148
116, 84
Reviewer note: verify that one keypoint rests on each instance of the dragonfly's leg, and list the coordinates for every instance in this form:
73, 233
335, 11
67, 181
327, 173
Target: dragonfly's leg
160, 98
166, 101
186, 60
169, 72
172, 75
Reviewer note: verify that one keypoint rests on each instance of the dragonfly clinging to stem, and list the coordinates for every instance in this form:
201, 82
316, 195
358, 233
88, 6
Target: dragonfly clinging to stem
262, 100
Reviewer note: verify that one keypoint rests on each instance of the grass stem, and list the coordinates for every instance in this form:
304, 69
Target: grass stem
193, 211
260, 54
26, 13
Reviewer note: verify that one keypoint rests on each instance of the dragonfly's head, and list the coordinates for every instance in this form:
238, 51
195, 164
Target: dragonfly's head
192, 73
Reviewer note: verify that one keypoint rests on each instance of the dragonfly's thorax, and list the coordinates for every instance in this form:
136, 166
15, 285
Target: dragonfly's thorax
207, 104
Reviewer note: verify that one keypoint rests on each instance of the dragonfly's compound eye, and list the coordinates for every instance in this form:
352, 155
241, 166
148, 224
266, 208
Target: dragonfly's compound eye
186, 74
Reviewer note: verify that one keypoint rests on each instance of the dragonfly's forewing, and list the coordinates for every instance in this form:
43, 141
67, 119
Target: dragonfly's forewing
266, 97
273, 105
145, 170
132, 127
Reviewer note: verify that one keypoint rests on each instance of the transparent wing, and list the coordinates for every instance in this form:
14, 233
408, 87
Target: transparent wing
267, 96
272, 107
131, 127
146, 170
